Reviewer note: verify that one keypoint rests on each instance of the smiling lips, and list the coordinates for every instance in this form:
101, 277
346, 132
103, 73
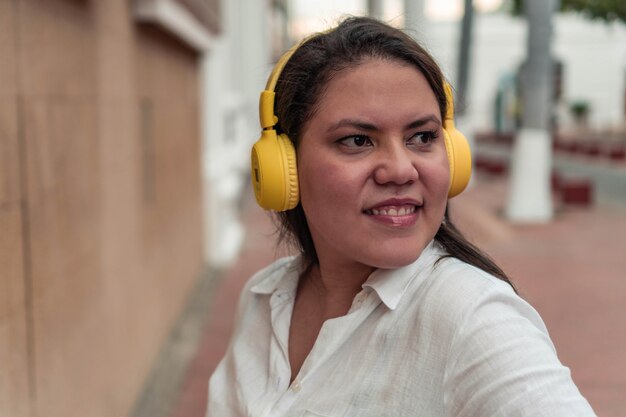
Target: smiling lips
392, 210
398, 213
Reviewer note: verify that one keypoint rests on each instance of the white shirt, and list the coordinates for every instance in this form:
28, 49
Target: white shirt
422, 340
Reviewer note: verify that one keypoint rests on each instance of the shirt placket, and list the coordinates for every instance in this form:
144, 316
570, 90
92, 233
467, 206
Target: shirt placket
281, 304
333, 334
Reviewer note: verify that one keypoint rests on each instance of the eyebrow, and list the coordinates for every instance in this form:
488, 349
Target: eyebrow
362, 125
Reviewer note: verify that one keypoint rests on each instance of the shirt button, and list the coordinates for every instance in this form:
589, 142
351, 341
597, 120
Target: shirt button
296, 387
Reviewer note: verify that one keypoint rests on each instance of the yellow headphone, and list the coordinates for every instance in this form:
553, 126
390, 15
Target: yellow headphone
274, 171
457, 148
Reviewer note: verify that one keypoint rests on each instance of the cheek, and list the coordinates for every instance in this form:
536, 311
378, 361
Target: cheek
325, 183
436, 178
444, 178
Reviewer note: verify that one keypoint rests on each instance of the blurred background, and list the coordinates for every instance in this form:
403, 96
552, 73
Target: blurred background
127, 226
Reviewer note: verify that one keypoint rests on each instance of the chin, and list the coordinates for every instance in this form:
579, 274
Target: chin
396, 260
396, 253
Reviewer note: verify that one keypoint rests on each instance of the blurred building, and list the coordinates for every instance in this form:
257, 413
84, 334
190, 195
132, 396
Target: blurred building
592, 55
125, 129
100, 195
254, 33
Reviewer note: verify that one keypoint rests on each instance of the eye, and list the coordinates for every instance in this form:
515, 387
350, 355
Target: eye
355, 141
423, 138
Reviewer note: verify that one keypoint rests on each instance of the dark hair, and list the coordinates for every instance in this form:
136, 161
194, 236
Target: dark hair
302, 83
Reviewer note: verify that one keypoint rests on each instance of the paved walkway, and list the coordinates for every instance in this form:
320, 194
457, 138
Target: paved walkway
571, 270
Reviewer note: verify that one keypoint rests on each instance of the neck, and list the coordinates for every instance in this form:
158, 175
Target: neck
335, 286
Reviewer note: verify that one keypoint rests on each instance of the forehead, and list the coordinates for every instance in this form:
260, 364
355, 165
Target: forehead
377, 88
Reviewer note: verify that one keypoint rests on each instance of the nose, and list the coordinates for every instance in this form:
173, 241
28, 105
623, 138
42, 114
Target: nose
395, 165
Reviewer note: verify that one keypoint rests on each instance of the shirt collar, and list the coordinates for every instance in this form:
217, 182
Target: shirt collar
280, 274
391, 284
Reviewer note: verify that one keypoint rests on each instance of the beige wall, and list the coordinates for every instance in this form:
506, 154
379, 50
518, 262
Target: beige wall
99, 203
14, 388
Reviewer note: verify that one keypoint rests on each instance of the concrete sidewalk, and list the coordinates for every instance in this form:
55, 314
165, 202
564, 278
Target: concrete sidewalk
571, 271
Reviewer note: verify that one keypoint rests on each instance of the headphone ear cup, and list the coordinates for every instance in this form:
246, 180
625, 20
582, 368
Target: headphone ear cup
292, 189
274, 172
459, 159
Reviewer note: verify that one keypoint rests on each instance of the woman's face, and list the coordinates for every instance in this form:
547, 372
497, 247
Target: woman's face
372, 167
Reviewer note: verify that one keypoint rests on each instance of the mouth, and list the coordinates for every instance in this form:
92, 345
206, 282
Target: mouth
395, 212
392, 210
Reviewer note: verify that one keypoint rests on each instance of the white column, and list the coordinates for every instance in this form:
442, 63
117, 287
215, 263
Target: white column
223, 232
530, 199
233, 74
253, 53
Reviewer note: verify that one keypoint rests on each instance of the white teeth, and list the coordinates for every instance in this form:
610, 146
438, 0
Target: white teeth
402, 211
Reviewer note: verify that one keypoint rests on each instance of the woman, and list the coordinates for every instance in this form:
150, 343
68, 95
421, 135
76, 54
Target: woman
387, 310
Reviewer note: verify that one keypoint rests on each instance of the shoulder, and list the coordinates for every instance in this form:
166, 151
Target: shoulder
446, 293
470, 307
500, 356
481, 298
462, 289
465, 278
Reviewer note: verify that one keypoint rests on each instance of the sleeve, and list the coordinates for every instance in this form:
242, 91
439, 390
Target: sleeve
223, 396
503, 363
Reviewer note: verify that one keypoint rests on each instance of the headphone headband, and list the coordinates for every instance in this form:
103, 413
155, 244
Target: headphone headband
280, 64
266, 102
